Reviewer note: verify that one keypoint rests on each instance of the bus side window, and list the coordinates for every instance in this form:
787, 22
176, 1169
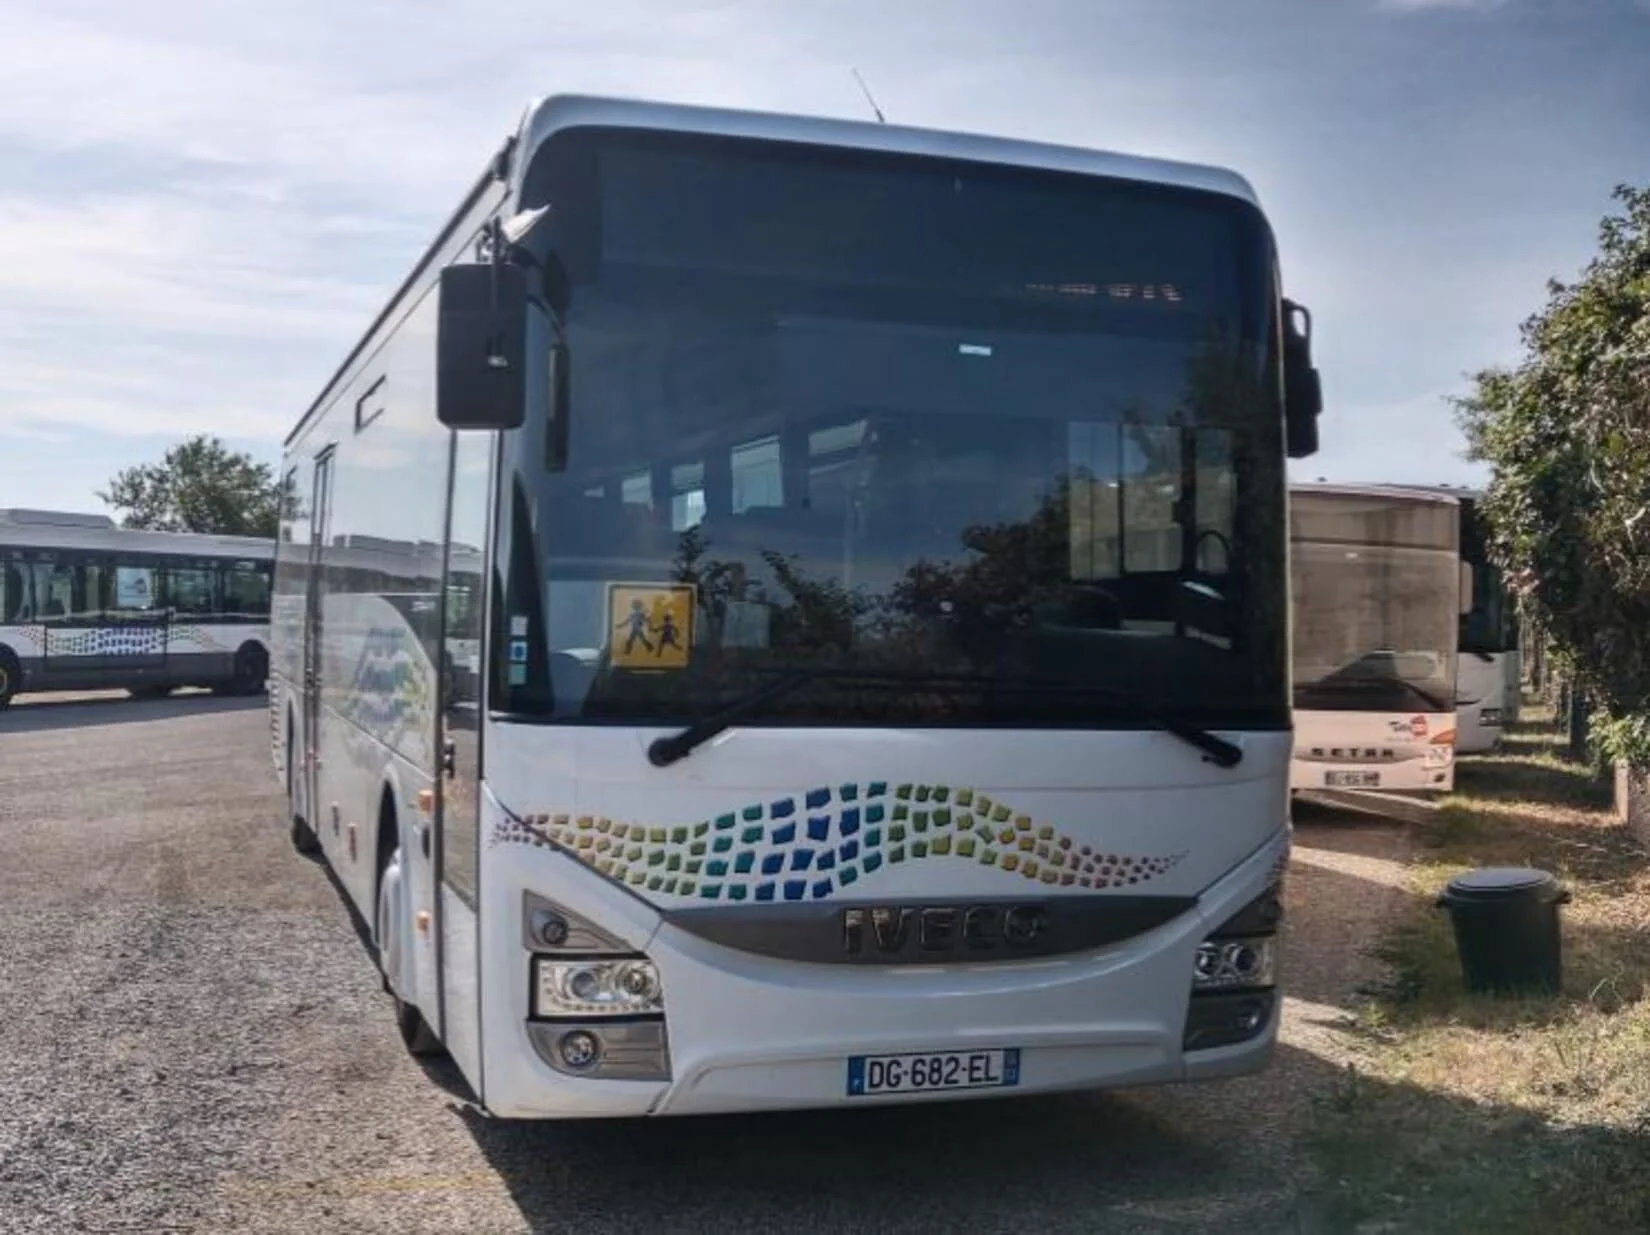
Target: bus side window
245, 590
135, 589
190, 590
54, 588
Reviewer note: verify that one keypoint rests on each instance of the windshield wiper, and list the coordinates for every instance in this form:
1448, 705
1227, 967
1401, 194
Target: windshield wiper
663, 752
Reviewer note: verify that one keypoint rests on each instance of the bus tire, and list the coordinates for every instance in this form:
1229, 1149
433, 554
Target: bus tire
251, 672
416, 1034
11, 677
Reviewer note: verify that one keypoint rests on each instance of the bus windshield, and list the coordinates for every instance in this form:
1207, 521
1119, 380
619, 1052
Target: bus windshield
1376, 596
1015, 430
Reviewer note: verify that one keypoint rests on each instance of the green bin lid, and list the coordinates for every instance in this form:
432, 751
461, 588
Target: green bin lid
1502, 883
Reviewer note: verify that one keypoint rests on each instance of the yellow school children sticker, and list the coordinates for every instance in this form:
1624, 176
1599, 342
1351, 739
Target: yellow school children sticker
650, 625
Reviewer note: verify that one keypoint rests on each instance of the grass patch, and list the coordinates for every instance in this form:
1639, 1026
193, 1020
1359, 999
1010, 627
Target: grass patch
1507, 1114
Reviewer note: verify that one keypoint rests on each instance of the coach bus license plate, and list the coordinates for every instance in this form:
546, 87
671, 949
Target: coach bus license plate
873, 1074
1352, 780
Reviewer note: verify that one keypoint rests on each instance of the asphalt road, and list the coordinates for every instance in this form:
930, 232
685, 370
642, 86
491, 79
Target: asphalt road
194, 1039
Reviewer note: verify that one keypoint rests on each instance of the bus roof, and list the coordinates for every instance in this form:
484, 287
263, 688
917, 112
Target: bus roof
546, 116
55, 529
1460, 492
550, 114
1417, 493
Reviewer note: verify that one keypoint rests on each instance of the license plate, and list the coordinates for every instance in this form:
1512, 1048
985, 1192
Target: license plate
922, 1073
1352, 780
1489, 716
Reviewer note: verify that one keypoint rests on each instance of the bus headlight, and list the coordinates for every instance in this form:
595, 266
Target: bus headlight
584, 989
1232, 964
1234, 995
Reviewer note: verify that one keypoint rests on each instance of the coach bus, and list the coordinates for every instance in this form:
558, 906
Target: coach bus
86, 605
1378, 595
873, 545
1491, 687
1490, 677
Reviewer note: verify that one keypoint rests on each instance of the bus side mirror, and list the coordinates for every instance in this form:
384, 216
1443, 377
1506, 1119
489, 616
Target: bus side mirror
1302, 391
1466, 588
481, 346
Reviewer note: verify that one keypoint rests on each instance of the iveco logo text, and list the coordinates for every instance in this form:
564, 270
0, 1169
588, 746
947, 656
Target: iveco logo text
941, 928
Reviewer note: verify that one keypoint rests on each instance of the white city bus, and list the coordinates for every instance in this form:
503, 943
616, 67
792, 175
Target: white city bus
86, 605
1378, 592
884, 684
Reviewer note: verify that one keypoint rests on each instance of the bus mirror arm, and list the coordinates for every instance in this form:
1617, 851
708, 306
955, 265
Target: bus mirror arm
1302, 389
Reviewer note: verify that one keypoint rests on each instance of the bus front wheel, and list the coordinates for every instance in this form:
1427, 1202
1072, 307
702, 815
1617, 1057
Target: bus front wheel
393, 905
11, 677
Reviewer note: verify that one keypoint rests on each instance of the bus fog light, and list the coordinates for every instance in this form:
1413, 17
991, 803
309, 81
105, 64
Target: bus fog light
579, 1049
587, 988
549, 927
1216, 1019
1227, 964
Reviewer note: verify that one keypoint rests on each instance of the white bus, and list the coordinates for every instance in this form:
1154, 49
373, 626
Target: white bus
1490, 680
1378, 592
884, 684
86, 605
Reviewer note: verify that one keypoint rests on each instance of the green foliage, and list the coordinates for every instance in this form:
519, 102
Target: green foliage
1567, 433
199, 486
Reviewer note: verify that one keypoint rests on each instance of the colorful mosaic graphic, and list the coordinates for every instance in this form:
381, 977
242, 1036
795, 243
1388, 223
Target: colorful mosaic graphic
811, 847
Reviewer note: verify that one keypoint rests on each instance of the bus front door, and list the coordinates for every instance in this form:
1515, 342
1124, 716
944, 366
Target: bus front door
319, 516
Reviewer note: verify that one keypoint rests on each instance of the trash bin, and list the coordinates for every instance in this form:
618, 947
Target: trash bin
1506, 929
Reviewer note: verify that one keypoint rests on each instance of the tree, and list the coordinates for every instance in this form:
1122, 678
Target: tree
199, 486
1567, 433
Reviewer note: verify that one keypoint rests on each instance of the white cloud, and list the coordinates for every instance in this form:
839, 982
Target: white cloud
204, 203
223, 205
277, 175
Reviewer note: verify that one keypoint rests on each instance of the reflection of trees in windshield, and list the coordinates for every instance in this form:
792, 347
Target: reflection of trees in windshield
1004, 609
1016, 569
990, 534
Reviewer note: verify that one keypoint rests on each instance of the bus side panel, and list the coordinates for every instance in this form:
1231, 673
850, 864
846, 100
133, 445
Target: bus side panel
380, 611
461, 947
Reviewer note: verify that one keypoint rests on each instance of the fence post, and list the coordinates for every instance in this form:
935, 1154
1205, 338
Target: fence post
1580, 711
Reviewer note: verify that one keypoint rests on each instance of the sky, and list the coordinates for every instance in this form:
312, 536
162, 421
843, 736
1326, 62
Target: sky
204, 204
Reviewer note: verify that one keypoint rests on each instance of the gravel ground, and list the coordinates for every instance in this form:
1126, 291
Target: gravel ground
195, 1040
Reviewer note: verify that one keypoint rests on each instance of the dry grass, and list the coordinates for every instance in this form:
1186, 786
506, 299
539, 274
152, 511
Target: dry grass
1508, 1114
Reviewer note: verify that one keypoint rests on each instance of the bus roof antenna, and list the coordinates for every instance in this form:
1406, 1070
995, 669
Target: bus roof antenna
881, 119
